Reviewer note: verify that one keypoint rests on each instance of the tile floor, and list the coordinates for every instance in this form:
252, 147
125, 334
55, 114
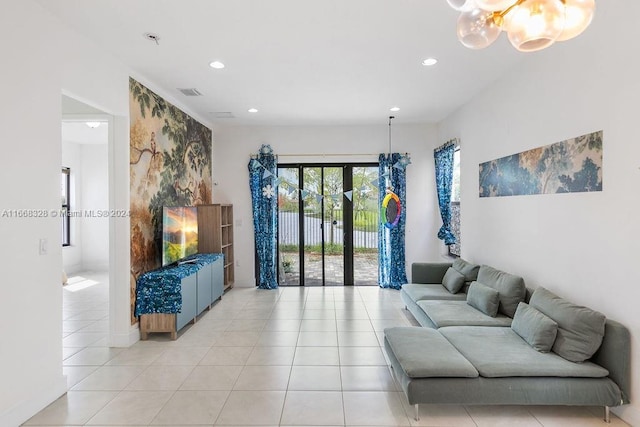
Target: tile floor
294, 357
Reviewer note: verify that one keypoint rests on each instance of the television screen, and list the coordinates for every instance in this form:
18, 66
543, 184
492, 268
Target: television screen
179, 233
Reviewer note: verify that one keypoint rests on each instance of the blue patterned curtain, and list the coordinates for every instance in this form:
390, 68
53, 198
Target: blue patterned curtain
444, 181
391, 252
263, 183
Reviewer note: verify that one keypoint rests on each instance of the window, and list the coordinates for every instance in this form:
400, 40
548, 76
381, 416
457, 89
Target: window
64, 212
455, 187
454, 250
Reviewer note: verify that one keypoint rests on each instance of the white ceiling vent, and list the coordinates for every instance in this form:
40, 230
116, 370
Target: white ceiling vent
190, 91
223, 115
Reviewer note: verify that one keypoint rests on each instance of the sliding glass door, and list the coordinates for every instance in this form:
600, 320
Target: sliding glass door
327, 226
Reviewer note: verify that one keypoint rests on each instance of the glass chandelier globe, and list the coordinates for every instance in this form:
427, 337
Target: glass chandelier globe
494, 5
535, 24
462, 5
578, 15
477, 29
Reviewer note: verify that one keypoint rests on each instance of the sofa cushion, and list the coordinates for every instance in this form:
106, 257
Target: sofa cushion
459, 313
468, 270
500, 352
418, 292
580, 329
483, 298
453, 280
430, 273
510, 287
424, 353
538, 330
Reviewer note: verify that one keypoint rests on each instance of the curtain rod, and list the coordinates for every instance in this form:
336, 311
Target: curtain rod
329, 155
255, 156
454, 141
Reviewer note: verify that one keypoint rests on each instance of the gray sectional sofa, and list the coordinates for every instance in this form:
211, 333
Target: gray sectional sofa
487, 340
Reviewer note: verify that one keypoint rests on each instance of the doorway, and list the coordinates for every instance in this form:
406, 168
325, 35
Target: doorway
328, 224
85, 230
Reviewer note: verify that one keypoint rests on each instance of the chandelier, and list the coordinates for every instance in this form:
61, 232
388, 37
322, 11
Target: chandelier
530, 24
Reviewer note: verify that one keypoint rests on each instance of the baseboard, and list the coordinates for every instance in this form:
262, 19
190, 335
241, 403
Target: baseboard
18, 414
244, 284
629, 414
125, 340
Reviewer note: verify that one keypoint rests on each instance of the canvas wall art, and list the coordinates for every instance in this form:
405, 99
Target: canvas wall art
570, 166
170, 165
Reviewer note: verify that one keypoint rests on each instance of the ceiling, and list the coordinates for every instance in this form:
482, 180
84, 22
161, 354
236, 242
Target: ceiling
299, 62
79, 133
75, 115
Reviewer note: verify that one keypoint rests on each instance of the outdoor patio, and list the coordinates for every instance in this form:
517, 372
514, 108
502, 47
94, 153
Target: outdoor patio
365, 271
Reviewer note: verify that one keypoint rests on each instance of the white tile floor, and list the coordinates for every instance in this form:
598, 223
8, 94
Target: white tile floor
293, 356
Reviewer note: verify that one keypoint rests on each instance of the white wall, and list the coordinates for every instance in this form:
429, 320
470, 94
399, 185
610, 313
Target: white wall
89, 191
72, 254
234, 145
44, 59
95, 197
31, 348
583, 246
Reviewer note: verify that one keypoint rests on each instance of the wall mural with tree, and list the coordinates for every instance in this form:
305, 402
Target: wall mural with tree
170, 165
570, 166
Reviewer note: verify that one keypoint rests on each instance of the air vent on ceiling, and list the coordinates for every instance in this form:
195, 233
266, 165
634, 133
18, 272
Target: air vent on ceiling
223, 115
190, 92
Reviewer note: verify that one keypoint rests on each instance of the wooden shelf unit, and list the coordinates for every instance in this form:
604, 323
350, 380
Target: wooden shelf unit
215, 235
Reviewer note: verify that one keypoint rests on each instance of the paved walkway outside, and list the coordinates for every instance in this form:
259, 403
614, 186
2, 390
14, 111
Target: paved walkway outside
365, 270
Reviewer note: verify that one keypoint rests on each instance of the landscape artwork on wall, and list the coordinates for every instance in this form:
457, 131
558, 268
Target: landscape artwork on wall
169, 165
570, 166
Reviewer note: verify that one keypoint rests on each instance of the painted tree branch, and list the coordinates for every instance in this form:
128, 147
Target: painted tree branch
141, 153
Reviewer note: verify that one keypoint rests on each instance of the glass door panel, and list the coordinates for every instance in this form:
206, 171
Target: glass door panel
313, 223
288, 227
333, 227
366, 220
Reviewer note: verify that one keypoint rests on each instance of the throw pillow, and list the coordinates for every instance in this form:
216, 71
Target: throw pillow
453, 280
510, 287
468, 270
483, 298
538, 330
580, 329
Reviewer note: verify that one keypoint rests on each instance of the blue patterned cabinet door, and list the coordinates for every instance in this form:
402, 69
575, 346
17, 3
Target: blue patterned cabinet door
204, 277
188, 310
217, 282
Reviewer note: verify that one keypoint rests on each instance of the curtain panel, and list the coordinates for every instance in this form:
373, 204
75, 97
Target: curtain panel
264, 203
444, 181
391, 247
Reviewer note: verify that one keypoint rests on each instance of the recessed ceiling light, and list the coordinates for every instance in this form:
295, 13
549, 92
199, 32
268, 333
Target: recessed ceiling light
216, 64
92, 125
394, 109
252, 110
429, 62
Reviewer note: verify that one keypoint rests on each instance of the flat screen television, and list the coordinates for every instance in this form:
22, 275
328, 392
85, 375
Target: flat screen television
179, 233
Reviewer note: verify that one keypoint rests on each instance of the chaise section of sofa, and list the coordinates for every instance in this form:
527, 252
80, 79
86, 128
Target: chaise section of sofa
554, 353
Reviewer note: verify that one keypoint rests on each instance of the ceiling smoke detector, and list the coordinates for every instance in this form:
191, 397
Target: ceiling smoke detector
153, 37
